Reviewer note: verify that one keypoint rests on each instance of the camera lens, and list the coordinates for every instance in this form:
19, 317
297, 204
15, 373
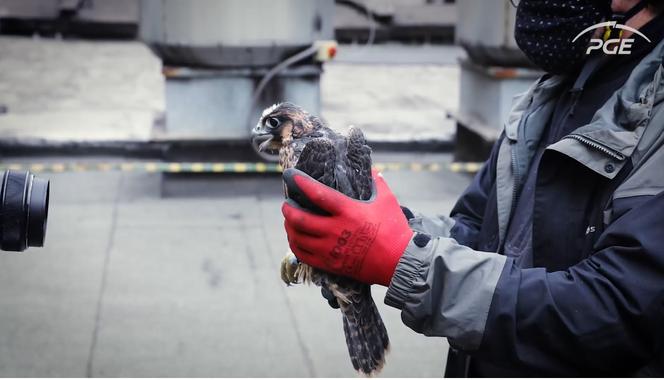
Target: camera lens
23, 210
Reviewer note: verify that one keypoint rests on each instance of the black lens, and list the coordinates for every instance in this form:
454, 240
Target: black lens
23, 210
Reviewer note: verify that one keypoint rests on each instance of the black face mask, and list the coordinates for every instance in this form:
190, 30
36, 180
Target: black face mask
545, 29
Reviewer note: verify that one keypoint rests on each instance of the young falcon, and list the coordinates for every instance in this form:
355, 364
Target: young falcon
344, 164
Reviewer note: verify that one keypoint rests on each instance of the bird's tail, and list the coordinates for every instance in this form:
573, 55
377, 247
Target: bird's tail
366, 336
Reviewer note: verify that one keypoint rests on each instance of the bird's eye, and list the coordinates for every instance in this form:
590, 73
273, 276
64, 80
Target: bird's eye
272, 122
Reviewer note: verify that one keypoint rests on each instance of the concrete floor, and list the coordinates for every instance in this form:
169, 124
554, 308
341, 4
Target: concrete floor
147, 277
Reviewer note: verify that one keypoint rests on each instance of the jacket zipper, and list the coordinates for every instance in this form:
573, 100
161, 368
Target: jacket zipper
597, 146
517, 180
515, 166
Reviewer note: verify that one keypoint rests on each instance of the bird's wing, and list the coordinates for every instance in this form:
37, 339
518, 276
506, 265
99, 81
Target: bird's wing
358, 160
318, 159
344, 163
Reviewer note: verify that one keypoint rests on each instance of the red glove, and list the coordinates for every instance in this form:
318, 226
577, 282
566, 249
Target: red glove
363, 240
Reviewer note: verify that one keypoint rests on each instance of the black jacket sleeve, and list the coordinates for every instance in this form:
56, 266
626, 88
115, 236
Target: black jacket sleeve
470, 209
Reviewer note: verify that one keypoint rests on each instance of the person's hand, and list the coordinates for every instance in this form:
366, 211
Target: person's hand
363, 240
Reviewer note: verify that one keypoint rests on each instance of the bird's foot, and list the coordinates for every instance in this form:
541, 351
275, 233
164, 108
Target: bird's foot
289, 266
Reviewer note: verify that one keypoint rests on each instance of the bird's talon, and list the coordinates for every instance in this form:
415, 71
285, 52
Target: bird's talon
289, 265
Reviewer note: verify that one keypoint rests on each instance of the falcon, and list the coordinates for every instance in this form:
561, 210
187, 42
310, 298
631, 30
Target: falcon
343, 163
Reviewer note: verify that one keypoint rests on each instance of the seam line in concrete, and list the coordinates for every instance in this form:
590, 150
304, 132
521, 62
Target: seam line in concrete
102, 288
291, 315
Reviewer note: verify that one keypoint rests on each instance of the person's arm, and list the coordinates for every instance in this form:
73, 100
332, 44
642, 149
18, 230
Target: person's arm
466, 217
603, 315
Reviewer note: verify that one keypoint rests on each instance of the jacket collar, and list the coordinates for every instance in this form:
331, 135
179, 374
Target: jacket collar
614, 132
539, 93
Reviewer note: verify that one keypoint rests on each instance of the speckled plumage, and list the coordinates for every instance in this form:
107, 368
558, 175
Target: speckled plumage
343, 163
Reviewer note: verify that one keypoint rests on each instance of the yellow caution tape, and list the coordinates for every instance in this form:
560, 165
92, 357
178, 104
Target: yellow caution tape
217, 167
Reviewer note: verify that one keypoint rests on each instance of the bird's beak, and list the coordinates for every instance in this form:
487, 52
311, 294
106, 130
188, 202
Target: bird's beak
260, 138
263, 142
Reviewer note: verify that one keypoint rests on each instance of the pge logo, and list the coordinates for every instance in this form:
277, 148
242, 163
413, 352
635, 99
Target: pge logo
611, 46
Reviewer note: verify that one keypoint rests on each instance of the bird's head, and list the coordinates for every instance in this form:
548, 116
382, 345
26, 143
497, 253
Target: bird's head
282, 123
